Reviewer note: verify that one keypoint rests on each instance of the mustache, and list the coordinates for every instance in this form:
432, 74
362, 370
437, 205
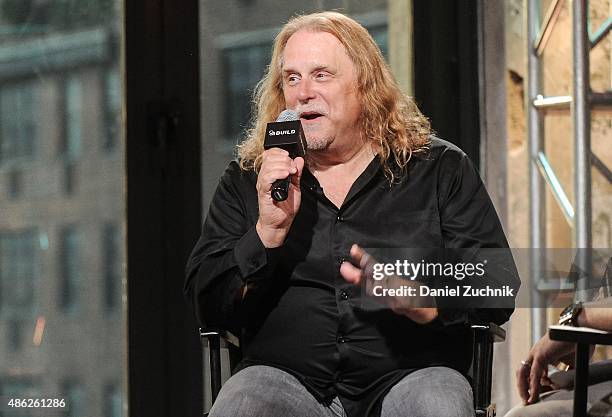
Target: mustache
311, 109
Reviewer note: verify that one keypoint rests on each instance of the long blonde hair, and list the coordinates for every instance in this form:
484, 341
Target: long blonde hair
390, 119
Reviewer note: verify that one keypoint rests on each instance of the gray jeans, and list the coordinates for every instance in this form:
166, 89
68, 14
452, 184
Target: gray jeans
560, 403
259, 391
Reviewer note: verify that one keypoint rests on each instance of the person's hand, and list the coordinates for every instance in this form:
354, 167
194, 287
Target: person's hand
406, 306
276, 217
533, 371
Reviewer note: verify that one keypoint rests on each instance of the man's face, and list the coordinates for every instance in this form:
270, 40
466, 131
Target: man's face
320, 83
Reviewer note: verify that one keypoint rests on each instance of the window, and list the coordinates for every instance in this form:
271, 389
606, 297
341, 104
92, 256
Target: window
113, 403
11, 387
15, 335
17, 121
17, 273
15, 184
59, 76
73, 394
69, 174
73, 104
71, 145
236, 43
112, 107
112, 267
380, 35
69, 260
243, 67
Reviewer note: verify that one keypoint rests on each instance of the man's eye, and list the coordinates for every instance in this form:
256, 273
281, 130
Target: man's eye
292, 79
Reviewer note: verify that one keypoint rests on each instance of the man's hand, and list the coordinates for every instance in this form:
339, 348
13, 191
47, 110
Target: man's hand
534, 370
405, 306
276, 217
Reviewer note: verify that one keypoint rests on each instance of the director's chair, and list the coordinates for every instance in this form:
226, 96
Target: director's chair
220, 346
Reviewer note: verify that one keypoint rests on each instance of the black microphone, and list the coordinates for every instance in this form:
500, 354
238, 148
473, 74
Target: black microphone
285, 133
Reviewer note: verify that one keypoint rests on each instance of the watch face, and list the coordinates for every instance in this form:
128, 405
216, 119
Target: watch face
569, 313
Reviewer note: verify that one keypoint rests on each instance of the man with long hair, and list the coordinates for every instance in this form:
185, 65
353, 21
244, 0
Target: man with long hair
285, 272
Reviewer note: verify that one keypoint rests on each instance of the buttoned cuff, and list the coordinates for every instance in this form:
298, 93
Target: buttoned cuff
255, 261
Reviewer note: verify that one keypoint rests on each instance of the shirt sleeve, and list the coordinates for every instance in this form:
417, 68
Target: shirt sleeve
469, 221
228, 256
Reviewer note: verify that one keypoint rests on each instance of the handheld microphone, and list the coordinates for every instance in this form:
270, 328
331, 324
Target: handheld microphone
285, 133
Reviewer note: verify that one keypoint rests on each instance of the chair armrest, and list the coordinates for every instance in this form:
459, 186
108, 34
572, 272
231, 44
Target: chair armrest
491, 329
225, 337
582, 337
216, 339
485, 335
585, 335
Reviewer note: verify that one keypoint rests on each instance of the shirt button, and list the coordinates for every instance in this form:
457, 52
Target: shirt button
344, 295
341, 260
342, 339
340, 218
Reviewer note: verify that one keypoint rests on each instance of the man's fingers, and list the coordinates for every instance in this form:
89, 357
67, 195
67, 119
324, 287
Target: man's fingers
265, 180
276, 158
275, 151
356, 253
275, 174
298, 165
522, 382
351, 273
361, 257
268, 159
534, 381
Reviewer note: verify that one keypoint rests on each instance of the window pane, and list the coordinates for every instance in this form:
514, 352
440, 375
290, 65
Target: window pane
73, 393
72, 114
69, 259
61, 206
17, 259
17, 133
236, 42
113, 401
112, 107
112, 267
14, 387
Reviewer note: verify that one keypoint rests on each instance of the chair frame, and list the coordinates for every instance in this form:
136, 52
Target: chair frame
583, 337
484, 336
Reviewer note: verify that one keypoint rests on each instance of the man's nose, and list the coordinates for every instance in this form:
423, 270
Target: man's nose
305, 90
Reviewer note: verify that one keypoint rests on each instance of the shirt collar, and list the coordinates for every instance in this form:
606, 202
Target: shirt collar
371, 172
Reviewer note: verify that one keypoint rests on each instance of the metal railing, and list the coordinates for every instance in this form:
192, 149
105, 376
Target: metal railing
541, 173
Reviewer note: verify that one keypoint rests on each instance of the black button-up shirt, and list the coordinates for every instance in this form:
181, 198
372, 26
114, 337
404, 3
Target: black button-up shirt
301, 316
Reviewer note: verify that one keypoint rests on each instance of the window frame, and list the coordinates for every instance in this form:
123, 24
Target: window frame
163, 204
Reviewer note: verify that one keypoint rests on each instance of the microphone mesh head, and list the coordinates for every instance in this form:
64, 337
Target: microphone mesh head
287, 115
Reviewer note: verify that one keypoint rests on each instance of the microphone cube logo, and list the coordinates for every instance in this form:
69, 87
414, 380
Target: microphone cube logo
281, 132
